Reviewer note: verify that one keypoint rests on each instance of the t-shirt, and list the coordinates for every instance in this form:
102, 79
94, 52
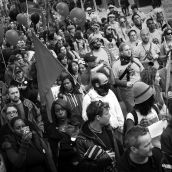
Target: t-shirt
152, 116
136, 67
105, 139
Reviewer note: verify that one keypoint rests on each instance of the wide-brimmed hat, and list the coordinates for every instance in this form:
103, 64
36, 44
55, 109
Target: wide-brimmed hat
142, 92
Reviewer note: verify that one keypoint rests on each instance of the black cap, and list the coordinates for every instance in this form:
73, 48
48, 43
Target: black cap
89, 57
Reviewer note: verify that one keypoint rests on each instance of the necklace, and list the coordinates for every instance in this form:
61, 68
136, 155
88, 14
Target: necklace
93, 130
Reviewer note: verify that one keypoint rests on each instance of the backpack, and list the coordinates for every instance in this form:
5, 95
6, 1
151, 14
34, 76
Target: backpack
133, 112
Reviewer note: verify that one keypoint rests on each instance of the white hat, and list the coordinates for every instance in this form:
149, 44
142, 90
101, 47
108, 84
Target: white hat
88, 9
111, 6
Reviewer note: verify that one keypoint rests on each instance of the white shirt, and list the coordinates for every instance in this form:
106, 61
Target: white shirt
101, 55
116, 115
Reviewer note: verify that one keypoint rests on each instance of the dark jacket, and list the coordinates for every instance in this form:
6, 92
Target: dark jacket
126, 165
86, 139
28, 156
63, 149
166, 147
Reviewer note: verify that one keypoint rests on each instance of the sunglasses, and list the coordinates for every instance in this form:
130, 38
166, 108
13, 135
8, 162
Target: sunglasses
109, 28
169, 33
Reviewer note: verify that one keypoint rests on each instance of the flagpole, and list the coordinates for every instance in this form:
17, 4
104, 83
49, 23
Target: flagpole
82, 5
3, 57
95, 5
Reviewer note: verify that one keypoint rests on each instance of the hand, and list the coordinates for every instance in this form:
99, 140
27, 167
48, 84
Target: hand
111, 154
27, 137
144, 122
129, 84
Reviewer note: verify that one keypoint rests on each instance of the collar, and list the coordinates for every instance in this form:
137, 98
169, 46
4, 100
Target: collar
133, 165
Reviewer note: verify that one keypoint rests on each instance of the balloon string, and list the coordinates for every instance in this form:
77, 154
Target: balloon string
3, 58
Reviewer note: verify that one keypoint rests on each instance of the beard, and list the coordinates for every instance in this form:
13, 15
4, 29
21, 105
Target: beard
96, 47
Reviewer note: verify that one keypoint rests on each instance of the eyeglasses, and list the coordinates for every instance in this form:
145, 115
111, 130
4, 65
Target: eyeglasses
11, 112
169, 33
109, 28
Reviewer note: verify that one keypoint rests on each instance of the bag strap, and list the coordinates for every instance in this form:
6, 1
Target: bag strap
133, 112
124, 73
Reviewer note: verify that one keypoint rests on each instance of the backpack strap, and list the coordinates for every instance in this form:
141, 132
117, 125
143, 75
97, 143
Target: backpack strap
156, 108
133, 112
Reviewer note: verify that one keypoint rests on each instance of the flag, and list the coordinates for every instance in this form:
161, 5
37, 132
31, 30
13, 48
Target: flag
48, 70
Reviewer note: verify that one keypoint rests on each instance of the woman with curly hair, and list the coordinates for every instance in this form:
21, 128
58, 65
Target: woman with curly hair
150, 76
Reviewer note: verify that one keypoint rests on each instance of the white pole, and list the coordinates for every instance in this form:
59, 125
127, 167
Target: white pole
95, 5
82, 5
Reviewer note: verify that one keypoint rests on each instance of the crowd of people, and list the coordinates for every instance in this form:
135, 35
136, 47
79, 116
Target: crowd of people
114, 86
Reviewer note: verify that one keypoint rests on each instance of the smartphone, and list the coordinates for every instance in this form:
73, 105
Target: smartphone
26, 130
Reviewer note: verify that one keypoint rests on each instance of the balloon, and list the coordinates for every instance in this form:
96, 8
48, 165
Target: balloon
63, 9
78, 16
35, 18
12, 37
1, 33
22, 19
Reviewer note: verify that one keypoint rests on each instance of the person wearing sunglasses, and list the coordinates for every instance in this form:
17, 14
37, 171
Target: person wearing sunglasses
97, 146
166, 45
9, 112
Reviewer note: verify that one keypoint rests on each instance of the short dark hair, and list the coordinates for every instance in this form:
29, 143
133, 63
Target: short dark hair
95, 108
131, 31
10, 105
149, 19
12, 86
131, 137
12, 122
134, 6
134, 16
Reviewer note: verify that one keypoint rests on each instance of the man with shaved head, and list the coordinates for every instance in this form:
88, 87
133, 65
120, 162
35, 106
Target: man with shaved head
101, 91
147, 52
126, 71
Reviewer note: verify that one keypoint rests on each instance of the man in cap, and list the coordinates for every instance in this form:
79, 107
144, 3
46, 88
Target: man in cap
92, 15
101, 91
98, 49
